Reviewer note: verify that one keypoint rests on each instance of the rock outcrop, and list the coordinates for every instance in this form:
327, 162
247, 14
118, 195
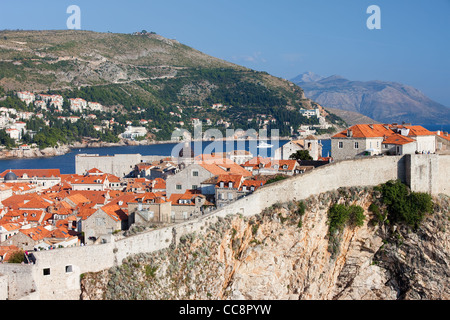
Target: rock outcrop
284, 253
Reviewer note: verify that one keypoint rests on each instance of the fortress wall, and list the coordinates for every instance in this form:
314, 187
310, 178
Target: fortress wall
142, 243
66, 266
3, 287
61, 284
443, 175
16, 281
427, 173
118, 164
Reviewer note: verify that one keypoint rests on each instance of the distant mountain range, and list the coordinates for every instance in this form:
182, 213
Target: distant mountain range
383, 101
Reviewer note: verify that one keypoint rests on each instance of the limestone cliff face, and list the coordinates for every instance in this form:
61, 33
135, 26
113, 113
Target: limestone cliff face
282, 254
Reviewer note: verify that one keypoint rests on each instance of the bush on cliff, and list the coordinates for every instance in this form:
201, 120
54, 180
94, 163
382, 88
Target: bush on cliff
404, 206
340, 216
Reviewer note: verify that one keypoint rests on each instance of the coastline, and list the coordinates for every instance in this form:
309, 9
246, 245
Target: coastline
64, 149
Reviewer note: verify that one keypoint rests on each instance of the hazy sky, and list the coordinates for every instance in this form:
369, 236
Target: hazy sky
284, 37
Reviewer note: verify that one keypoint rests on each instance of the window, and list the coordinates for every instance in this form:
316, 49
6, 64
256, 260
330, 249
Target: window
195, 173
222, 184
69, 269
46, 271
194, 187
230, 184
178, 186
340, 145
356, 145
230, 196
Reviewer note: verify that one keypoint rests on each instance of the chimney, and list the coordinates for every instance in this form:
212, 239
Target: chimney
438, 133
349, 133
446, 134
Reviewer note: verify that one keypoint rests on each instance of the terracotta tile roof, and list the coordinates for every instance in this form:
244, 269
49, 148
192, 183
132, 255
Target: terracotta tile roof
417, 131
268, 163
149, 196
18, 187
77, 198
36, 233
122, 200
34, 203
442, 134
85, 212
31, 200
236, 180
96, 197
10, 226
225, 168
7, 251
382, 130
397, 139
115, 212
285, 165
59, 233
112, 178
255, 162
41, 173
252, 183
88, 179
366, 131
188, 195
94, 170
159, 184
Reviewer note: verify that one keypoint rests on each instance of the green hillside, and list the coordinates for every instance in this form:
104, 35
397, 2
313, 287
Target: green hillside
144, 76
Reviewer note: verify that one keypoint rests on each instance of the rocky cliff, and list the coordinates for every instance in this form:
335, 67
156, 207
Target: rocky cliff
286, 253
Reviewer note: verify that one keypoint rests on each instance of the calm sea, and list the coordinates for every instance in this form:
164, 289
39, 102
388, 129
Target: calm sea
66, 163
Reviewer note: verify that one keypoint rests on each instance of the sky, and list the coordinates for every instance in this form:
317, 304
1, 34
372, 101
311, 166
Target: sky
284, 37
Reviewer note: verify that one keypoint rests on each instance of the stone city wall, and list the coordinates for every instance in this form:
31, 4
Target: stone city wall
67, 265
119, 165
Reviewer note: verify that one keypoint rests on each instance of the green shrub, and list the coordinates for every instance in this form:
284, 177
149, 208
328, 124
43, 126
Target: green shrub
405, 206
356, 216
17, 257
339, 216
150, 271
301, 208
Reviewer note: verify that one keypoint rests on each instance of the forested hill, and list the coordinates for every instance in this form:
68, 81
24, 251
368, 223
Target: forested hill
145, 76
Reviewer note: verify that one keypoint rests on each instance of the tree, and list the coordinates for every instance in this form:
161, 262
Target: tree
301, 155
